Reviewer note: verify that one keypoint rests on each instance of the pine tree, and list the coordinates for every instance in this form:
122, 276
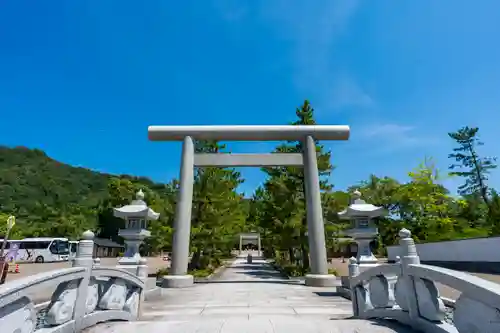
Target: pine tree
284, 206
218, 212
474, 168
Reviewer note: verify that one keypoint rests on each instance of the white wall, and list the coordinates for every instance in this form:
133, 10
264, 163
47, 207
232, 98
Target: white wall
476, 249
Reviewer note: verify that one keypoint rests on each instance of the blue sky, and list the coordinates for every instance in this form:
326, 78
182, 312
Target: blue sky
82, 80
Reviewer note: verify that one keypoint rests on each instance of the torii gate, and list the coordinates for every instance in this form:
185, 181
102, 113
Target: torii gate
252, 236
319, 276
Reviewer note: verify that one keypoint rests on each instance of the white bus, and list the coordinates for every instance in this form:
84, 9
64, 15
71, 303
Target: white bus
39, 250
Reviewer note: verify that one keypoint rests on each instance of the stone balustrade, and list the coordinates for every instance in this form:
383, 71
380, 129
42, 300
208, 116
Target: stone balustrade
86, 294
406, 291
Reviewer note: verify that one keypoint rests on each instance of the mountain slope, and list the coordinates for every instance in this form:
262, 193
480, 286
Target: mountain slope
29, 177
50, 198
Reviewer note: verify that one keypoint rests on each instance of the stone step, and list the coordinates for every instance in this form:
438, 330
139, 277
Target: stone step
252, 324
192, 313
332, 308
168, 317
278, 302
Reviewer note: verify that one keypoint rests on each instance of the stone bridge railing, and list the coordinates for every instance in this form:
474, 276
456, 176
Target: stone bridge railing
86, 294
406, 291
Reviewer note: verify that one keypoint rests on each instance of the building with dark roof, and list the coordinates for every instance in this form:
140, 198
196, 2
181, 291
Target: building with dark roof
106, 248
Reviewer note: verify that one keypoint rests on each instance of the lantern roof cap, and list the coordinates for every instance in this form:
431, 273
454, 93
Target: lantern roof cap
360, 208
137, 208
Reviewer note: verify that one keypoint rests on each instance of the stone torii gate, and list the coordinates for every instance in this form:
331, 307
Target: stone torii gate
178, 276
253, 236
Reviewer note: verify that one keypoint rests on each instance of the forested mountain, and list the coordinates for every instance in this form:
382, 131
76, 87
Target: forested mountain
51, 198
29, 177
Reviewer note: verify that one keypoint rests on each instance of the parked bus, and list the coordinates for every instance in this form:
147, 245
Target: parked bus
39, 250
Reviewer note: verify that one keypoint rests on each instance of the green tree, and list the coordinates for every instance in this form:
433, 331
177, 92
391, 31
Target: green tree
424, 204
15, 232
162, 200
473, 168
121, 193
218, 212
283, 194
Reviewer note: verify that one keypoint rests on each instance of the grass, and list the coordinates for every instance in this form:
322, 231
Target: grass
293, 270
161, 272
201, 273
213, 264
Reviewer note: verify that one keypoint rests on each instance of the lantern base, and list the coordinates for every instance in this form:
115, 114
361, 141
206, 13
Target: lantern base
321, 280
177, 281
363, 267
367, 260
134, 260
129, 264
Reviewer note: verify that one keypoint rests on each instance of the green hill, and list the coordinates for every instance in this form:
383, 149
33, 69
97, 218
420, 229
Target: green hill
28, 178
51, 198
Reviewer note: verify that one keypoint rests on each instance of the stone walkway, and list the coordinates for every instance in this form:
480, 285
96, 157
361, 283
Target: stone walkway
248, 298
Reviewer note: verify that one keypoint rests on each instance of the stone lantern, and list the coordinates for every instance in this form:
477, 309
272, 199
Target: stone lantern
362, 230
136, 216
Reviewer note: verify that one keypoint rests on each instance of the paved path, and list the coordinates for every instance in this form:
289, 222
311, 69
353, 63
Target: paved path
247, 298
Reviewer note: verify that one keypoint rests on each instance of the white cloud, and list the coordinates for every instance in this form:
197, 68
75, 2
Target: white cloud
386, 130
346, 92
394, 136
312, 27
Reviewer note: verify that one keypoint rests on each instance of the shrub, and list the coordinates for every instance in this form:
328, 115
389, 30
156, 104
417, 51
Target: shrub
215, 262
162, 272
294, 270
204, 261
200, 273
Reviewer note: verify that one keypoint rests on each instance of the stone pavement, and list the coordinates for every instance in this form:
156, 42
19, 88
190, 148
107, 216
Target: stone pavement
248, 298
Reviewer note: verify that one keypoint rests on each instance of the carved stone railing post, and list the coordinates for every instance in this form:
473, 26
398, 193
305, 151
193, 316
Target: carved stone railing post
142, 269
405, 287
69, 301
142, 273
84, 259
353, 272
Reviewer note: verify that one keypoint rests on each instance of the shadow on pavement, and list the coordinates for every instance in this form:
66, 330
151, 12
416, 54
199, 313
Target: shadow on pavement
256, 266
395, 326
328, 293
291, 282
261, 274
392, 324
258, 270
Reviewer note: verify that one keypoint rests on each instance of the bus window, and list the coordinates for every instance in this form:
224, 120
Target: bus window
73, 247
59, 247
29, 245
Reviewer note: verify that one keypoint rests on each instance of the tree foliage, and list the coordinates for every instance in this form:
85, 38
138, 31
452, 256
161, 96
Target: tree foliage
219, 213
473, 168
